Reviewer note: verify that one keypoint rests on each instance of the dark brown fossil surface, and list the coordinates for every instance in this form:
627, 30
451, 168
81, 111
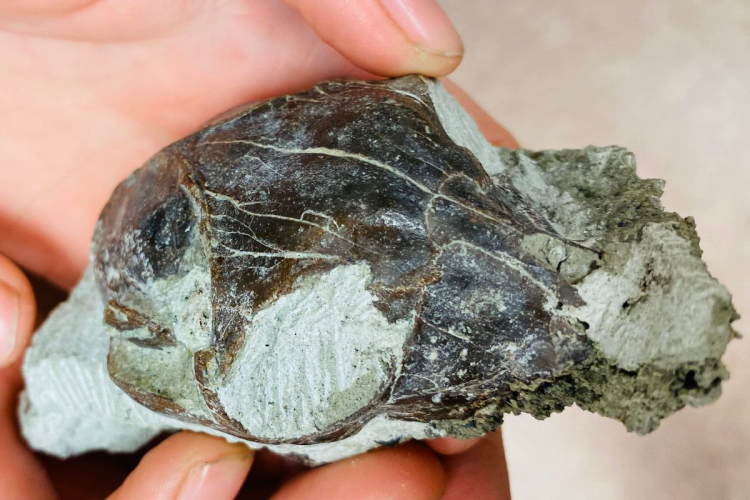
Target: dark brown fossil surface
353, 264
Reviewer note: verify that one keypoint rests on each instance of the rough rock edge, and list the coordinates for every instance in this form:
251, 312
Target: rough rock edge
597, 190
594, 196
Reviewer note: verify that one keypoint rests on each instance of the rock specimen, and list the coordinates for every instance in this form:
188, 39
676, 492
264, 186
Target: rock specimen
354, 265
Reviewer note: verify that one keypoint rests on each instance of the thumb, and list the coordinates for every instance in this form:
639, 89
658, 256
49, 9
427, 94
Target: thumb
387, 37
17, 311
22, 476
188, 466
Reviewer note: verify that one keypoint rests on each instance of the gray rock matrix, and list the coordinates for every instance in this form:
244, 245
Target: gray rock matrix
323, 273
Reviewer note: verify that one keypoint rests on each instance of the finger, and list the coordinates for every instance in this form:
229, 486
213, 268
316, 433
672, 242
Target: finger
451, 446
387, 37
17, 311
495, 133
406, 472
479, 472
188, 466
269, 472
41, 6
22, 477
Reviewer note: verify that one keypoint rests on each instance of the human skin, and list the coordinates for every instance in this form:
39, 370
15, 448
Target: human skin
89, 91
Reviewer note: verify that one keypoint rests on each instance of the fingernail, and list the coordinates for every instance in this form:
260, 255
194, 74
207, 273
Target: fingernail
220, 479
10, 309
424, 23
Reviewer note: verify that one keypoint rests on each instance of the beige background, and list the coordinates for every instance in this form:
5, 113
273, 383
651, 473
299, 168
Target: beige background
669, 79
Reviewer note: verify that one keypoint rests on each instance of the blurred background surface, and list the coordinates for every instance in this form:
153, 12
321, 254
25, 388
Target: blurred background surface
670, 80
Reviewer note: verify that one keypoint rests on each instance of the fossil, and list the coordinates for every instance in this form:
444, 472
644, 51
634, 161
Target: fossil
355, 265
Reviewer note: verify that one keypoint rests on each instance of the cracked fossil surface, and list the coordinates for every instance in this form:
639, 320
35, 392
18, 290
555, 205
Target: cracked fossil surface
355, 265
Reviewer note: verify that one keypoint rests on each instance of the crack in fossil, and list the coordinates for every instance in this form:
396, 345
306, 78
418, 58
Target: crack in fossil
325, 229
549, 292
450, 332
364, 159
234, 252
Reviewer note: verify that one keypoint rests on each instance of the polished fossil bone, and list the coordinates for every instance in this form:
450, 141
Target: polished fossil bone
355, 265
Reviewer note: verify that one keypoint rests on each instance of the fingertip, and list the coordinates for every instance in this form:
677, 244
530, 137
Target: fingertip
406, 472
387, 37
451, 446
188, 466
17, 311
479, 472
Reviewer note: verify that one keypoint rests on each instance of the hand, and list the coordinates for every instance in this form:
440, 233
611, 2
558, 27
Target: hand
90, 90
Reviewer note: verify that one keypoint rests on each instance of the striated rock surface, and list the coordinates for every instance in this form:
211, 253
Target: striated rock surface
354, 265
